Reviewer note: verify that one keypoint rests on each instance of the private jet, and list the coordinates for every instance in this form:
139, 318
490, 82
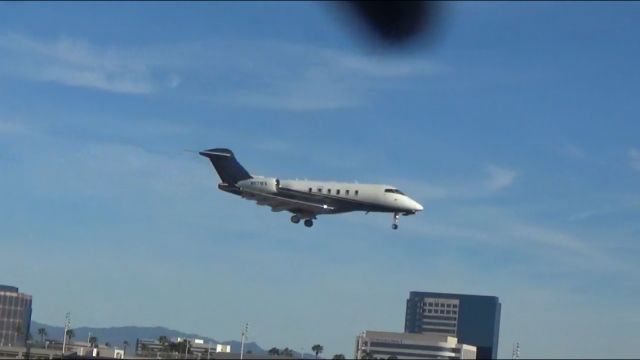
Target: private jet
307, 199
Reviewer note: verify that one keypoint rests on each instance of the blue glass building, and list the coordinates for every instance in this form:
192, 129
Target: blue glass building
473, 319
15, 316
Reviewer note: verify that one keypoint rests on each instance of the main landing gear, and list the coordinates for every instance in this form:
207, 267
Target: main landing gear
296, 219
396, 216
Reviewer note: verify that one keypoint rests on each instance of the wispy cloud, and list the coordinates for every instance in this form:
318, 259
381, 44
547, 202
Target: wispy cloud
382, 66
499, 178
305, 93
634, 158
496, 179
479, 226
12, 127
272, 145
318, 78
572, 151
76, 63
266, 74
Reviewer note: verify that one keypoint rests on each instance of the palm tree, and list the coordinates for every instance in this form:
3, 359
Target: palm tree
93, 341
338, 357
173, 347
164, 341
274, 351
125, 345
317, 348
287, 352
366, 355
70, 334
42, 332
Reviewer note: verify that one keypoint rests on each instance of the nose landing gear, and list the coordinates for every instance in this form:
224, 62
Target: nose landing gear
396, 216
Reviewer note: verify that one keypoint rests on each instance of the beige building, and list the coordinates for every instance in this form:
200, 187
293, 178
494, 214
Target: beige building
382, 344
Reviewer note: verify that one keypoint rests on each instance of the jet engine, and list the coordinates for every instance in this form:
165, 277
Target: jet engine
260, 184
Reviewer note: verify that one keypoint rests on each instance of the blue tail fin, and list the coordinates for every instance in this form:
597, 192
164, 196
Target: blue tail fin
228, 168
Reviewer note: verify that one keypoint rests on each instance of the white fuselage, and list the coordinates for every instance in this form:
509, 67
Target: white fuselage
365, 197
306, 199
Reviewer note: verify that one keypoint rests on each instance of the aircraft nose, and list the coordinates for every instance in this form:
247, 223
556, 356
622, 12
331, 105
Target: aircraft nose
417, 206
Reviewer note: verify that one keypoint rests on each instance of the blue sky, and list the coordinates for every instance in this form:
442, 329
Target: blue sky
517, 130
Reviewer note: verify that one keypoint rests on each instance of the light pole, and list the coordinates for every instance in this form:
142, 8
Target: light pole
245, 330
67, 324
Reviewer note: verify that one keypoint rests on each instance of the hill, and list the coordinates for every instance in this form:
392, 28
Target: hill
117, 334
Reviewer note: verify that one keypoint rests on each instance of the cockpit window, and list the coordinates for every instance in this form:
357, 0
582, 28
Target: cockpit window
394, 191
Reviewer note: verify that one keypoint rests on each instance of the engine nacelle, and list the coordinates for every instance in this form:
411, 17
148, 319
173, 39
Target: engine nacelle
260, 184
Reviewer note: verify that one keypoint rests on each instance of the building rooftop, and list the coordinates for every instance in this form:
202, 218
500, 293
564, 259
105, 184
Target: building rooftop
439, 294
7, 288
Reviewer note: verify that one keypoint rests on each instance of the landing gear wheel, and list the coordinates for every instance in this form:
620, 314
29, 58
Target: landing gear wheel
396, 217
308, 223
295, 219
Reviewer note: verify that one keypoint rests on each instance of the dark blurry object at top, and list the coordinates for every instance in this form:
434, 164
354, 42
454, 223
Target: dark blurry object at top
395, 22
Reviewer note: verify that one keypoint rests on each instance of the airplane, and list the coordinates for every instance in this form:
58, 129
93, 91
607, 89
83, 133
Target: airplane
307, 199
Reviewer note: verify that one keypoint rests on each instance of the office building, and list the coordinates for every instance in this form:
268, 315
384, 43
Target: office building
382, 345
473, 319
15, 316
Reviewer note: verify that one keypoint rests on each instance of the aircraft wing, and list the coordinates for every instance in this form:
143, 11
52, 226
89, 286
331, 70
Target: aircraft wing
282, 203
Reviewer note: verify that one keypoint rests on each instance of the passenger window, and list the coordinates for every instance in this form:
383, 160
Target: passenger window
310, 189
346, 192
320, 190
329, 191
356, 193
338, 192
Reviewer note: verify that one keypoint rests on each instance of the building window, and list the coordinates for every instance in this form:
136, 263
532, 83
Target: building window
429, 311
455, 306
430, 304
454, 312
448, 306
442, 312
337, 191
448, 312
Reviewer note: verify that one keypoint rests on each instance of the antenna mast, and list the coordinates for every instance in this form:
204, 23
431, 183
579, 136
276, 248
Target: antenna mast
67, 326
515, 353
245, 331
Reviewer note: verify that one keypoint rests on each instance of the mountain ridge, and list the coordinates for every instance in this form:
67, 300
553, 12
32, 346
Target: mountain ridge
116, 335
